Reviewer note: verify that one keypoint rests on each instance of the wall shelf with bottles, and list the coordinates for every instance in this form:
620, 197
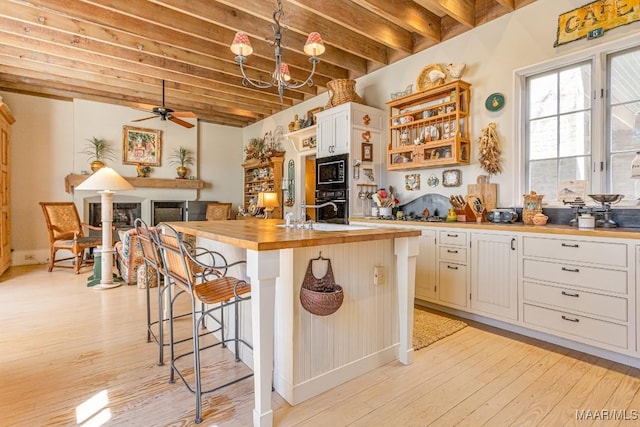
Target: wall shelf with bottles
430, 128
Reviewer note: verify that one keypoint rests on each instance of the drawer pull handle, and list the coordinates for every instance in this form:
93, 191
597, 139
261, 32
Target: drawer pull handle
567, 245
570, 294
571, 270
452, 267
452, 235
452, 251
570, 319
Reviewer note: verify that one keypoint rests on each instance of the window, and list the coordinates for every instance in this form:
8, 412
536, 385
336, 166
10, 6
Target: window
559, 128
582, 123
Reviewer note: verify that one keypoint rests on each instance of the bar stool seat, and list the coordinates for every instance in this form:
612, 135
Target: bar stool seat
214, 290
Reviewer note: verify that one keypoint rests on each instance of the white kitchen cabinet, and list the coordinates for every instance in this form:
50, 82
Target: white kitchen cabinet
426, 288
494, 275
452, 274
342, 129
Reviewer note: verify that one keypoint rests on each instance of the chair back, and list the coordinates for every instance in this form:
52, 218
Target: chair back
174, 261
63, 221
218, 211
148, 241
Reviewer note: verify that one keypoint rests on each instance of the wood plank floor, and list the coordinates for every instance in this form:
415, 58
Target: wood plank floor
62, 344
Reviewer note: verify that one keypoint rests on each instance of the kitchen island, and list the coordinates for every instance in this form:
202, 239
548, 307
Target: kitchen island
312, 353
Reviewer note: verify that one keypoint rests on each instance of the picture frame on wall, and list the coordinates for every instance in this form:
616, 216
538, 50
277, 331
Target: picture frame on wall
141, 146
367, 152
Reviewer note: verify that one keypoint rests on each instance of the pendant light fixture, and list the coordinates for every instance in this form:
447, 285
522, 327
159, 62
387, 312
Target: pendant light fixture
281, 77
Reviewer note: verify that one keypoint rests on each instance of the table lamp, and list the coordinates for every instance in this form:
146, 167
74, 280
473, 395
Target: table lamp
105, 181
268, 200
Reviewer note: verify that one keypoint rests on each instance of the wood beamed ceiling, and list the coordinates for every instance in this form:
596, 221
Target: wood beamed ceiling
120, 51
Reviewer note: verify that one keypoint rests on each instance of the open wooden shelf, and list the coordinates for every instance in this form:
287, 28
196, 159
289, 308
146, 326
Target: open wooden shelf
72, 180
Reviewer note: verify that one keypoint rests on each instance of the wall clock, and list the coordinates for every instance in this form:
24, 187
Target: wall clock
451, 178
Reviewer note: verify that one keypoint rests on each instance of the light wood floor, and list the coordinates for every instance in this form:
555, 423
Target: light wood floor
62, 343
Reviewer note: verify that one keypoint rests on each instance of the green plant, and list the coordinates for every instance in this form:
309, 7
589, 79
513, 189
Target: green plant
181, 157
98, 149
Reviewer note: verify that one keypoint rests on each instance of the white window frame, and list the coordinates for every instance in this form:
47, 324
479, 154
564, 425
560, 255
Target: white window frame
597, 55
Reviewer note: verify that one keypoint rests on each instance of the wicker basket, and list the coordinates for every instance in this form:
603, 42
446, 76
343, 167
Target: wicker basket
320, 296
341, 91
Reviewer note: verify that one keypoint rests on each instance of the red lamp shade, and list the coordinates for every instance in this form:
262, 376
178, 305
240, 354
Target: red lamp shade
285, 75
314, 45
241, 44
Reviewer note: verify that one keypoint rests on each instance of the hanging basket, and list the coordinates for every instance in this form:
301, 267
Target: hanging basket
341, 91
320, 296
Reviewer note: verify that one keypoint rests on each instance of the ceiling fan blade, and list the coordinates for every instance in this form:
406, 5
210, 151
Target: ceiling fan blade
144, 118
181, 122
186, 114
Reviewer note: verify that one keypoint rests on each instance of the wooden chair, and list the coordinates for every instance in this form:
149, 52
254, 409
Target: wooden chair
217, 211
66, 233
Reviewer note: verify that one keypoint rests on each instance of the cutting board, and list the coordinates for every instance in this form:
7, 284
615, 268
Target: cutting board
488, 193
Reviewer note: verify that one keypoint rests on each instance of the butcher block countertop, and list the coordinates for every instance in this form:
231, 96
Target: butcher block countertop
517, 227
264, 234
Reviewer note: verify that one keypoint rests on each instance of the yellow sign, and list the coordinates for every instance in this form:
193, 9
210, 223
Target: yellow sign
593, 19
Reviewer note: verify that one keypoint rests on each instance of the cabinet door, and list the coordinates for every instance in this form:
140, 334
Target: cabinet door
452, 281
494, 276
341, 132
324, 130
426, 267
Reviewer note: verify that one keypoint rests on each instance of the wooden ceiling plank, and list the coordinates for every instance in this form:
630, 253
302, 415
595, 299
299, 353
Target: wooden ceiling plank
155, 48
408, 15
127, 60
342, 45
58, 81
185, 99
334, 61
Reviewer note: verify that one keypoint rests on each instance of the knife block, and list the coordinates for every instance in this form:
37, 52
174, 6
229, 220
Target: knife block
469, 213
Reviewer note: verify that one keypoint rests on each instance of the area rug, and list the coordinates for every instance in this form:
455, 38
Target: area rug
429, 328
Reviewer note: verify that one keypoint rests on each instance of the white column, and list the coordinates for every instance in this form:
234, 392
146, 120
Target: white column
406, 250
106, 252
263, 267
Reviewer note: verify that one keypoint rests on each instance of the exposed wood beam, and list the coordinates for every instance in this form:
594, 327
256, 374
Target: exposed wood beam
507, 4
408, 15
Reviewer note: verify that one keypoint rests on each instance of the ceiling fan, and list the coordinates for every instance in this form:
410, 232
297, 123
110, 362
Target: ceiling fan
166, 113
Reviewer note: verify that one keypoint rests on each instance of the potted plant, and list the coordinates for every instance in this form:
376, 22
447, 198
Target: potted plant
98, 150
181, 158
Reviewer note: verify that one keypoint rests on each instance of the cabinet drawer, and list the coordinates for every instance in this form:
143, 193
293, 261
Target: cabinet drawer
603, 253
595, 330
456, 238
454, 254
574, 275
577, 301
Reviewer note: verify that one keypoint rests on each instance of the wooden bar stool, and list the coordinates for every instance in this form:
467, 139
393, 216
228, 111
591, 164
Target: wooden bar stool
215, 289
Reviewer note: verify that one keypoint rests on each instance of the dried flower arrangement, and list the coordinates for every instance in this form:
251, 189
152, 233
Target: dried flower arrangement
490, 151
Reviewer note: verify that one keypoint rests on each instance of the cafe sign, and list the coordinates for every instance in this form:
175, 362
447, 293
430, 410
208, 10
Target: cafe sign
593, 19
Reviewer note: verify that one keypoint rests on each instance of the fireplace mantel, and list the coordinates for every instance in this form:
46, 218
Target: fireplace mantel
72, 180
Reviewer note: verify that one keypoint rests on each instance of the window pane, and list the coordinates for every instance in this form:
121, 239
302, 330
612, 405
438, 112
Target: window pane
575, 134
621, 182
543, 136
623, 120
574, 168
624, 77
543, 177
543, 96
575, 89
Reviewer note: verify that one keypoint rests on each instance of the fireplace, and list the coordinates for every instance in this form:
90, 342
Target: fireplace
124, 215
178, 210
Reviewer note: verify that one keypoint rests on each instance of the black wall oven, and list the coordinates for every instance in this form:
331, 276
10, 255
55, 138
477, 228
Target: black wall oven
332, 185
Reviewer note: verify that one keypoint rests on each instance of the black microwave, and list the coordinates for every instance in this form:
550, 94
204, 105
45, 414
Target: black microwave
331, 172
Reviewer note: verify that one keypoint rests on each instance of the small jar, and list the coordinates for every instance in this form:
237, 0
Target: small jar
586, 222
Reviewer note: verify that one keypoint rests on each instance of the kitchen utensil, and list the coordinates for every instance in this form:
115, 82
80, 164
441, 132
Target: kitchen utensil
606, 200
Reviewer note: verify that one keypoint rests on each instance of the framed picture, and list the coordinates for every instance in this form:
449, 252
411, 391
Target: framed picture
367, 152
141, 146
312, 113
306, 142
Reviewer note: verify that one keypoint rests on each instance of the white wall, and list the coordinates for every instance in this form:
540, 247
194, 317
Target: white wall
492, 53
